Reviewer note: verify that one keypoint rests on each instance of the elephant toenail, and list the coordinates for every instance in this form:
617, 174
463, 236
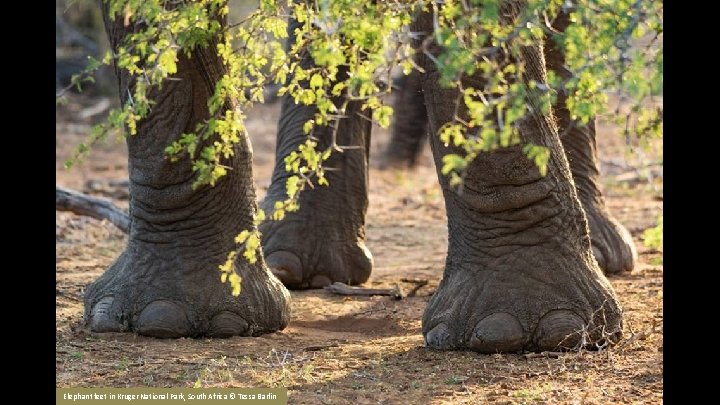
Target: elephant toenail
499, 332
163, 319
560, 329
320, 281
103, 317
226, 324
439, 338
285, 266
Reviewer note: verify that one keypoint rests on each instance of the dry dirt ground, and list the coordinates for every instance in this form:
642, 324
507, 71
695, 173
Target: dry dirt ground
368, 350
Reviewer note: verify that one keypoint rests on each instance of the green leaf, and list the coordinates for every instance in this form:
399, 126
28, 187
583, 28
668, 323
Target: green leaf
452, 163
540, 155
292, 185
242, 237
308, 126
168, 61
316, 81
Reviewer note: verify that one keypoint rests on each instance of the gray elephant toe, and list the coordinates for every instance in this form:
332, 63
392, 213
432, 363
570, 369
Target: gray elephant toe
320, 281
439, 337
559, 329
285, 266
612, 244
163, 319
226, 324
104, 317
499, 332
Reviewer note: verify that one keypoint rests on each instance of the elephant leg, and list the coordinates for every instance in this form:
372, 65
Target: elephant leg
166, 283
519, 273
324, 241
409, 129
612, 244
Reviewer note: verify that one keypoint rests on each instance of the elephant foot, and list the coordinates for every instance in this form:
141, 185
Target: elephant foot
168, 297
323, 242
400, 154
539, 304
304, 252
519, 273
612, 244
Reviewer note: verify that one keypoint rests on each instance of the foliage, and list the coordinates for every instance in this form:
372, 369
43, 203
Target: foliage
356, 44
653, 237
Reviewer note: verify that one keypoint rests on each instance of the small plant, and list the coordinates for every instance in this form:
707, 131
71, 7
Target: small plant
533, 394
149, 380
306, 372
123, 364
182, 376
653, 237
201, 378
454, 380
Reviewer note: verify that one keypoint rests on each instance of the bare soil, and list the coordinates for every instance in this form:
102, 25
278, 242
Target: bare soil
359, 350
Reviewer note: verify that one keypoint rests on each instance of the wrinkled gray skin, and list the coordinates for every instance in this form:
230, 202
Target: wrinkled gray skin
166, 283
324, 241
520, 272
612, 244
519, 275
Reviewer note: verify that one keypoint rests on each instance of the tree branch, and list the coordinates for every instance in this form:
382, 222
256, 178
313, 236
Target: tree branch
83, 204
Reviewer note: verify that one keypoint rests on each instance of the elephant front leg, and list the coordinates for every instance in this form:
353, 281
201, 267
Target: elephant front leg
166, 283
409, 129
612, 244
519, 273
324, 241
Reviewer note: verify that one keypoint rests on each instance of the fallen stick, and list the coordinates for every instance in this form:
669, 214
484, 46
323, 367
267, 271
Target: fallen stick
344, 289
320, 347
552, 355
639, 336
419, 283
115, 189
83, 204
